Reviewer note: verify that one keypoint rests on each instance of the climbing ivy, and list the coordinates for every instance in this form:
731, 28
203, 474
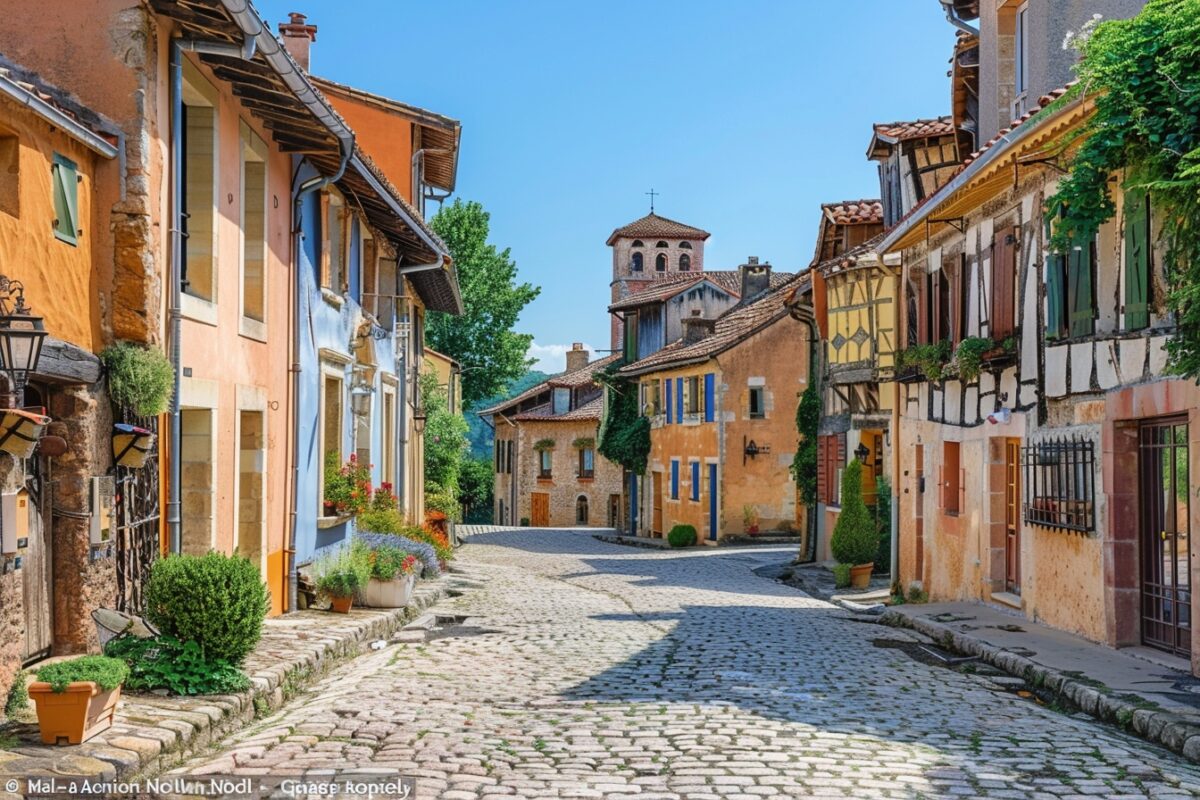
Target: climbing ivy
804, 463
1144, 76
624, 433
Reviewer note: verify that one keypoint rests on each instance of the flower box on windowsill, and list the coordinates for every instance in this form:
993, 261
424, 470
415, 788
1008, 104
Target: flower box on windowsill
998, 356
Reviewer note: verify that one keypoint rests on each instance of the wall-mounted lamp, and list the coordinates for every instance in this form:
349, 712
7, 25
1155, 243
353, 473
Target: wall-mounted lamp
21, 337
861, 453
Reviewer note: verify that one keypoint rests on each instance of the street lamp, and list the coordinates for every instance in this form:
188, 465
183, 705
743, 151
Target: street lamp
360, 397
861, 452
21, 337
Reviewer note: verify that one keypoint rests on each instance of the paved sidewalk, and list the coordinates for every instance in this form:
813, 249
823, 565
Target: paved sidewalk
1148, 693
817, 580
152, 733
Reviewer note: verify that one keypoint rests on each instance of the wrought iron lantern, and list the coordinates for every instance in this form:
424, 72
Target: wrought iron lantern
861, 453
21, 335
360, 398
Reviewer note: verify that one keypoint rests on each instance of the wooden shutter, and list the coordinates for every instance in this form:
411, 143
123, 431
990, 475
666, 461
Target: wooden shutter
935, 307
1055, 290
670, 406
823, 469
679, 399
1137, 260
709, 397
1079, 287
922, 309
325, 254
941, 487
955, 270
1004, 277
65, 179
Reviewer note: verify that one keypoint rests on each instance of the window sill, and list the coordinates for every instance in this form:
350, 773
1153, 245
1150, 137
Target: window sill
252, 329
545, 479
197, 309
324, 523
332, 298
585, 478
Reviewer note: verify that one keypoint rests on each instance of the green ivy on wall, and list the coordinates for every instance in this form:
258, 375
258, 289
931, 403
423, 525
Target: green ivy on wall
1144, 75
624, 433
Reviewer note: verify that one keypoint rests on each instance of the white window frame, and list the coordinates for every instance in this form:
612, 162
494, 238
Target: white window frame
333, 365
251, 143
197, 91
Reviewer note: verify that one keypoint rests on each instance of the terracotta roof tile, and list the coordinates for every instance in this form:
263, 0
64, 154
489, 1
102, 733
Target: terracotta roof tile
853, 212
831, 265
653, 226
917, 129
589, 410
58, 99
580, 377
729, 280
731, 328
1042, 102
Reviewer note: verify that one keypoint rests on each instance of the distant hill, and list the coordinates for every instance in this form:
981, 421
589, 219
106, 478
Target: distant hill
480, 434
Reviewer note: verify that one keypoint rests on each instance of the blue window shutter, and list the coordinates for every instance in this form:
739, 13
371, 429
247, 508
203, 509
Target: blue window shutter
674, 480
669, 405
709, 397
695, 480
679, 399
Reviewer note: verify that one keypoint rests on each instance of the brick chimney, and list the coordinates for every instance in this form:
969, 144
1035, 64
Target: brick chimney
696, 327
298, 37
577, 357
756, 279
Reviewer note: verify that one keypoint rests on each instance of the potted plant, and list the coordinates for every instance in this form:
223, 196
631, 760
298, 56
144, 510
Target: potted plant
969, 356
340, 576
855, 539
347, 489
76, 698
140, 379
392, 579
750, 519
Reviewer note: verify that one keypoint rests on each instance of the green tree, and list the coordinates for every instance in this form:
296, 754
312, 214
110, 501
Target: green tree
445, 442
482, 339
624, 437
804, 463
475, 485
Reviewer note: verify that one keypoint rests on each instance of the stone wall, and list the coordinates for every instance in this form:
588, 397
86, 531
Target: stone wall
565, 486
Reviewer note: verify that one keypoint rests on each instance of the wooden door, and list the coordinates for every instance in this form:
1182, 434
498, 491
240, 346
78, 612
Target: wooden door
33, 506
1012, 516
712, 502
539, 509
1163, 511
657, 526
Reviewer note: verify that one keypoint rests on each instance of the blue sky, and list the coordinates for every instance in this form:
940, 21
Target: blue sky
743, 116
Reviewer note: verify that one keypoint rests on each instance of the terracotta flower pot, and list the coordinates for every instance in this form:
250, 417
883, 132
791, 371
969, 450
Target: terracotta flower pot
341, 605
389, 594
860, 576
76, 714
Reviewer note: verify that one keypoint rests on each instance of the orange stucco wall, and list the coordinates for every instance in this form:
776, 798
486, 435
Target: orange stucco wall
236, 367
386, 137
60, 283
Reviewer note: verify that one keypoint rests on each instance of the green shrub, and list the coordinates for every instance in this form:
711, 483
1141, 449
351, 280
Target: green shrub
217, 601
883, 521
139, 379
855, 538
18, 695
969, 356
682, 536
107, 673
841, 575
387, 520
930, 359
443, 500
165, 662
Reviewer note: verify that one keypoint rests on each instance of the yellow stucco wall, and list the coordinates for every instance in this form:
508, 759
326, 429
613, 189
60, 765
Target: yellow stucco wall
862, 298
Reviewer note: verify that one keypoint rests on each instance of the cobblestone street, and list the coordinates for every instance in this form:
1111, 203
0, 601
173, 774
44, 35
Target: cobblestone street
589, 669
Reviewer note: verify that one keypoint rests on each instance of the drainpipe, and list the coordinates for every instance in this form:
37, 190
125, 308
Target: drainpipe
957, 21
402, 399
814, 375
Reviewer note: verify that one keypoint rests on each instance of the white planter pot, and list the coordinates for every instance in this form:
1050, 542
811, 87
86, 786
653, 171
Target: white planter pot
389, 594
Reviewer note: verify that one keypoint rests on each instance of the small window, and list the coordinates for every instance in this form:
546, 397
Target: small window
1059, 490
562, 401
693, 400
662, 245
581, 511
651, 398
660, 262
587, 462
254, 225
635, 262
331, 425
685, 245
65, 180
333, 242
758, 408
1021, 57
685, 263
545, 463
637, 243
951, 479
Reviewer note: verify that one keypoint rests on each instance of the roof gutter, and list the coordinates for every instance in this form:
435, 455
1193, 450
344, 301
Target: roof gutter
995, 151
399, 210
956, 20
64, 121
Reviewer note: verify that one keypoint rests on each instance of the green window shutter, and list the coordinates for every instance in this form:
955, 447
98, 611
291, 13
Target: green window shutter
1137, 261
64, 181
1079, 283
1055, 292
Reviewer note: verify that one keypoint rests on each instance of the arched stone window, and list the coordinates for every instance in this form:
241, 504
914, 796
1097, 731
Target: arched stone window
637, 243
685, 245
662, 244
581, 510
635, 262
685, 263
660, 262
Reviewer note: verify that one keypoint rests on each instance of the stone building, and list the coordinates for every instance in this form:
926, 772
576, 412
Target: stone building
1065, 422
59, 165
647, 250
723, 418
548, 473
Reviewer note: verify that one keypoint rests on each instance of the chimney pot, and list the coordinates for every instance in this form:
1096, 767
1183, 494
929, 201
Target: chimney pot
756, 279
577, 357
752, 260
298, 36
